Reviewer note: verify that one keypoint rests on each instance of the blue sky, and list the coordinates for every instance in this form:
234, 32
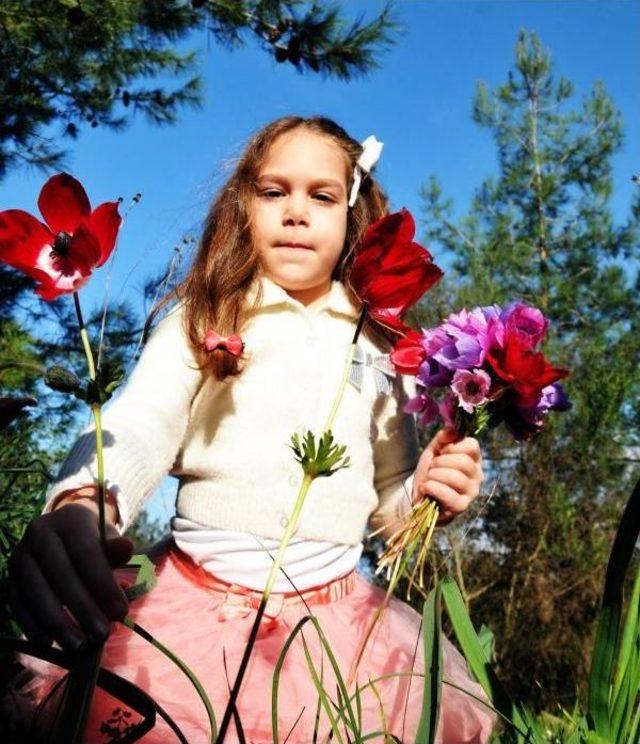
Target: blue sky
418, 104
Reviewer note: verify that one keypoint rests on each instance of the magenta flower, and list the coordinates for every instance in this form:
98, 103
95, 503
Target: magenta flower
526, 322
424, 405
472, 387
447, 409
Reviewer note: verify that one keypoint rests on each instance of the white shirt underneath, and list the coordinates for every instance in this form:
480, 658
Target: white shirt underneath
241, 558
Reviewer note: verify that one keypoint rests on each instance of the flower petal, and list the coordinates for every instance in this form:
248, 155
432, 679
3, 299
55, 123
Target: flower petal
63, 202
22, 238
104, 223
50, 290
392, 229
84, 251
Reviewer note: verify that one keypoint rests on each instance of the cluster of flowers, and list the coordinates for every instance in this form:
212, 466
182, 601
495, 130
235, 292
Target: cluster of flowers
485, 367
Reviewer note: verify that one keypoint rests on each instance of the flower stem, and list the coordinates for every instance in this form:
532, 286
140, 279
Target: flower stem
83, 674
97, 417
273, 573
288, 533
347, 368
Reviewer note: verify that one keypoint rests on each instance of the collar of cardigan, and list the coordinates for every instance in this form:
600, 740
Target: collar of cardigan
336, 300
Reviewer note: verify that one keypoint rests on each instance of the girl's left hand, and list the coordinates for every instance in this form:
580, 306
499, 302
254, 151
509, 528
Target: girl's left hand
450, 472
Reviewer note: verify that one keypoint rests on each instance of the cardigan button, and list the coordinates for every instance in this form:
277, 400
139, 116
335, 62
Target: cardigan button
293, 480
311, 340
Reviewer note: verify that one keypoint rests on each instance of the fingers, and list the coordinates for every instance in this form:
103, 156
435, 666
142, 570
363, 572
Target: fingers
96, 572
464, 463
67, 586
449, 500
29, 626
41, 609
89, 561
467, 446
457, 481
444, 437
61, 582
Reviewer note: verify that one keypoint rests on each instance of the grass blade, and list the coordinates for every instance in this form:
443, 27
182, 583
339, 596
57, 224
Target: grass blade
475, 655
432, 688
604, 650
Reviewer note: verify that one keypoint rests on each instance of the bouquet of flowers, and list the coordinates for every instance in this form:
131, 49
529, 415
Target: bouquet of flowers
485, 366
475, 370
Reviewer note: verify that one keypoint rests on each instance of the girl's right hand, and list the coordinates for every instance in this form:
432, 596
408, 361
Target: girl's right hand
60, 562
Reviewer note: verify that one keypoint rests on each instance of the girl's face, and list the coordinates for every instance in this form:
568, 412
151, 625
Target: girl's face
299, 212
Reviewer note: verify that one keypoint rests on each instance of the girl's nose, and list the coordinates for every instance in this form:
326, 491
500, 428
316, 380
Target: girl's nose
295, 211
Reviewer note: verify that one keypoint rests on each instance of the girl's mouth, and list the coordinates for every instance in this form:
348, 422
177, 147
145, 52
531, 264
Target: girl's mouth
294, 245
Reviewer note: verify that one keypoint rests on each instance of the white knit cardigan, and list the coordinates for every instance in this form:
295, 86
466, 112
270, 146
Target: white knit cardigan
228, 442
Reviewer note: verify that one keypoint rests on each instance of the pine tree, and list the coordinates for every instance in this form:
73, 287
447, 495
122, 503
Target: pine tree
532, 563
76, 63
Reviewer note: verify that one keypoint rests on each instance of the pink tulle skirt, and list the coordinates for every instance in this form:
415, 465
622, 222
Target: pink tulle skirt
207, 624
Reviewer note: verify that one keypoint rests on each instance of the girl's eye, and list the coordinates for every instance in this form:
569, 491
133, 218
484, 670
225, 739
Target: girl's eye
272, 193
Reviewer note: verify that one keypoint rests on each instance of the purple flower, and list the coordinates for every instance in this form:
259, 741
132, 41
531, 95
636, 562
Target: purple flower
524, 421
525, 321
472, 387
431, 373
469, 335
552, 398
423, 404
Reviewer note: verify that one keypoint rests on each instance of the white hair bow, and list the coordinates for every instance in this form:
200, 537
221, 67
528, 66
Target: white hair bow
368, 158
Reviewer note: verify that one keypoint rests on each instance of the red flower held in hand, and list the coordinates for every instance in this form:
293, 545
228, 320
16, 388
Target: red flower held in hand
62, 253
408, 353
526, 370
390, 272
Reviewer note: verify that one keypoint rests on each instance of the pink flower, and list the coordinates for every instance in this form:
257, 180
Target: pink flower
526, 322
471, 386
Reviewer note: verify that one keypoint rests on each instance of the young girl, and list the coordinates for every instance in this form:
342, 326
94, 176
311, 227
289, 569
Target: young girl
272, 267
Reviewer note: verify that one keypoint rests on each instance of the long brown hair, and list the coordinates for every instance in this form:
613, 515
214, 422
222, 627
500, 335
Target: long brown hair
226, 263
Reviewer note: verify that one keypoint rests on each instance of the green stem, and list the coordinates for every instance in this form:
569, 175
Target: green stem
347, 368
96, 411
273, 573
83, 674
97, 417
289, 531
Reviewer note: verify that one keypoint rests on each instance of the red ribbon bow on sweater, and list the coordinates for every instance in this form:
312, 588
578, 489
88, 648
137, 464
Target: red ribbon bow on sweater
233, 344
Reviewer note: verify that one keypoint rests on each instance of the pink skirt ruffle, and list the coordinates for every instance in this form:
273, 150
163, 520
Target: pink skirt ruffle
190, 613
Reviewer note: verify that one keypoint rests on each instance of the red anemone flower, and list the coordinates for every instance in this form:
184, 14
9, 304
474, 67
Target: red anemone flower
390, 272
526, 370
62, 253
408, 353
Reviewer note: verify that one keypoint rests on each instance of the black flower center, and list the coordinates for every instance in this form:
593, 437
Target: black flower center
62, 244
60, 254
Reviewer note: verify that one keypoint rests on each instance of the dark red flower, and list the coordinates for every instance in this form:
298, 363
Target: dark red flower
390, 272
526, 370
62, 253
408, 353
